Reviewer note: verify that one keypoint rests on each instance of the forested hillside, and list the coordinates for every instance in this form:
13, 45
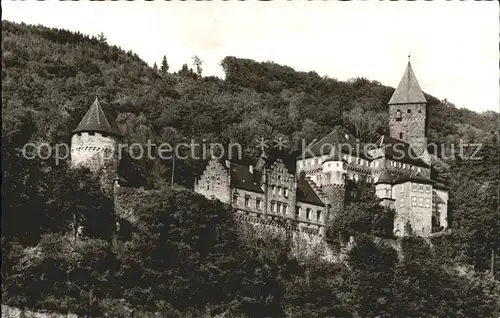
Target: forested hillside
50, 78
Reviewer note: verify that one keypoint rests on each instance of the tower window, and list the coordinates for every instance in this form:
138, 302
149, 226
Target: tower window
308, 213
419, 111
400, 135
408, 111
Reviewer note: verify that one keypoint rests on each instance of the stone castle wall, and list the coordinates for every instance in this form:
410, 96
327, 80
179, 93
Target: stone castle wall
303, 242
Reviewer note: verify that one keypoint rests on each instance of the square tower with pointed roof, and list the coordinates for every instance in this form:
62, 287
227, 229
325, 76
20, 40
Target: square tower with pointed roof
407, 112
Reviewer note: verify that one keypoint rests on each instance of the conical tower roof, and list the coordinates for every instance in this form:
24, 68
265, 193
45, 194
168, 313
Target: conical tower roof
98, 120
408, 90
384, 177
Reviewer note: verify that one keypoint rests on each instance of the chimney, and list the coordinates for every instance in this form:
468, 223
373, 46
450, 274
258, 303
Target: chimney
250, 168
228, 163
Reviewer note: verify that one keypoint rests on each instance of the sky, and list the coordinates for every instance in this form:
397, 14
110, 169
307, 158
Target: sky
454, 46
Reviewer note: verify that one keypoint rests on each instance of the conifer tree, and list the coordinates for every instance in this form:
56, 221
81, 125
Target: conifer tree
197, 62
164, 65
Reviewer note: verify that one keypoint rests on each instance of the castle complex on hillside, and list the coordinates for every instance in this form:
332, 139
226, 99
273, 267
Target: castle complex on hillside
398, 165
305, 197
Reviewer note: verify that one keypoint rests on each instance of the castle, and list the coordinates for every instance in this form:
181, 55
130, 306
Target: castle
304, 197
398, 165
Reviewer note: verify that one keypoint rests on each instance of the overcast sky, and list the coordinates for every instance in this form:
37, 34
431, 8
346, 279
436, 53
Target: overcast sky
454, 45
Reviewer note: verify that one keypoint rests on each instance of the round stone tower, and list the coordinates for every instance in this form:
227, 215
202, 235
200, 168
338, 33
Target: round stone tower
94, 143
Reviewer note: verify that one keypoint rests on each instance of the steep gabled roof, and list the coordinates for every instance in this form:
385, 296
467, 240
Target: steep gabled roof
98, 120
306, 194
408, 90
399, 150
335, 140
241, 178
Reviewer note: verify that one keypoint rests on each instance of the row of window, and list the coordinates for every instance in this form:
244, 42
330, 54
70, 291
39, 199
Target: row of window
258, 201
397, 164
278, 207
92, 133
279, 177
418, 188
281, 191
316, 161
359, 161
309, 214
421, 202
217, 184
398, 112
89, 148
